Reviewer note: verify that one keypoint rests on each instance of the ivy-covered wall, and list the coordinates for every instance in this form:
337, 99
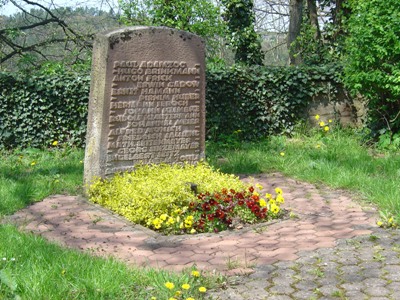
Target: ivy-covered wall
253, 102
259, 101
36, 110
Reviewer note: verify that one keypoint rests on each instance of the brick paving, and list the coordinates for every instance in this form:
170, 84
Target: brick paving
330, 250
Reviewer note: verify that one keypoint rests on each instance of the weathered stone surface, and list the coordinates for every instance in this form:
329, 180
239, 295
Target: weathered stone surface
147, 100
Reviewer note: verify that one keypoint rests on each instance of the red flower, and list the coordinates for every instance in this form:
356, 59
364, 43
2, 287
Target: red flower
217, 196
206, 206
255, 209
219, 214
251, 189
210, 217
239, 195
240, 202
212, 202
232, 191
255, 197
228, 199
224, 191
250, 203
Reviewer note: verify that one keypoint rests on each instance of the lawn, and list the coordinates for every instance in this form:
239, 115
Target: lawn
33, 268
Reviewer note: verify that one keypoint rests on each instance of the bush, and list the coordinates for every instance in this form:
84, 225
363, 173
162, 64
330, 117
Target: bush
372, 60
153, 190
38, 109
252, 102
256, 102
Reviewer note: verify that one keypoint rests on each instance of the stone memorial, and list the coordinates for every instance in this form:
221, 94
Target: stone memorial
147, 100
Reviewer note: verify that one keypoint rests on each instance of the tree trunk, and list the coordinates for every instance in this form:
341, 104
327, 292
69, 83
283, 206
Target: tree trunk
312, 10
295, 19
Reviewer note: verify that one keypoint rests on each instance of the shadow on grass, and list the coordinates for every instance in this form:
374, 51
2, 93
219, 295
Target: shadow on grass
21, 185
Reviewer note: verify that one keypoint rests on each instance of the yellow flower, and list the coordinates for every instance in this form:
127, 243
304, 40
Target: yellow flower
172, 298
272, 202
55, 143
317, 117
202, 289
153, 298
33, 163
157, 223
379, 223
326, 128
186, 286
193, 231
171, 221
169, 285
268, 196
318, 146
163, 217
390, 221
178, 293
259, 186
275, 208
330, 121
280, 199
322, 123
195, 273
262, 203
190, 298
278, 191
282, 154
256, 194
188, 224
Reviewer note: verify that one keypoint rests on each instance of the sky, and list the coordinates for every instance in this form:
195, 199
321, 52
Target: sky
10, 9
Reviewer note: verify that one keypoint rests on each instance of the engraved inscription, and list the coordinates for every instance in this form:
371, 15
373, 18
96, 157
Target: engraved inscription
154, 114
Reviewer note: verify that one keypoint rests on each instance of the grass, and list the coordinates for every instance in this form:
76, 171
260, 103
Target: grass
32, 268
337, 159
31, 175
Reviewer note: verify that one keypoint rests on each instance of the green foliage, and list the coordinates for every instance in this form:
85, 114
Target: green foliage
239, 16
249, 103
41, 108
242, 103
153, 190
372, 60
201, 17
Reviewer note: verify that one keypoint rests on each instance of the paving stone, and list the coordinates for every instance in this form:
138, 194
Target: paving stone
285, 289
304, 295
328, 290
333, 248
377, 291
356, 295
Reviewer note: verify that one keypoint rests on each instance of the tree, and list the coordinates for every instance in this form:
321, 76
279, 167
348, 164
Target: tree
372, 59
38, 35
201, 17
296, 18
240, 18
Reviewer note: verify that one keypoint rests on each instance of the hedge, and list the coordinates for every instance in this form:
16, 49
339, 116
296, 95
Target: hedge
39, 109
